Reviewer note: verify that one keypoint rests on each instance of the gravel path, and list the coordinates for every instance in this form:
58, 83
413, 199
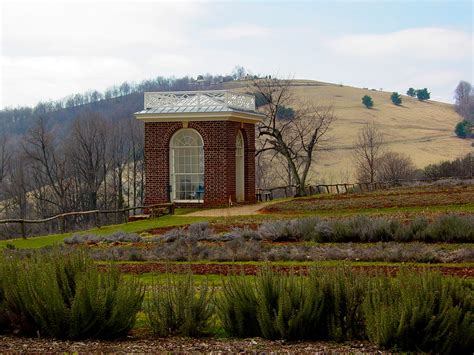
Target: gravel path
9, 344
232, 211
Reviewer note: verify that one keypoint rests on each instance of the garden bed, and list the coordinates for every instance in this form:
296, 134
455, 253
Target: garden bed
397, 198
252, 269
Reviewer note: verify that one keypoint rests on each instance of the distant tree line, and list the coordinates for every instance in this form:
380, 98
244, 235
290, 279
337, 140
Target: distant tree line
458, 167
117, 101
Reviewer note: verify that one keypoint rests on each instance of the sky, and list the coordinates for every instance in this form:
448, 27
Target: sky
50, 49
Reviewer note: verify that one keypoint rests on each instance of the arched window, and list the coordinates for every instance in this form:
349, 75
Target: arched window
187, 166
239, 167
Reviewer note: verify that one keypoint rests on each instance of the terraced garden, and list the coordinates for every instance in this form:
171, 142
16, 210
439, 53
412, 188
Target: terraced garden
423, 234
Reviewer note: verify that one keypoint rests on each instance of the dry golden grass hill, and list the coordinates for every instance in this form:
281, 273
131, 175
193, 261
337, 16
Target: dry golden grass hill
422, 130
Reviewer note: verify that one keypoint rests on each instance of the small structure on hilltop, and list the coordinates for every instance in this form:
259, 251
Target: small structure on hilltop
199, 147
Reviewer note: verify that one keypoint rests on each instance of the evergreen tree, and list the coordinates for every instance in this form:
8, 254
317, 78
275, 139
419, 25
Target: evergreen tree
423, 94
367, 101
396, 98
464, 130
411, 92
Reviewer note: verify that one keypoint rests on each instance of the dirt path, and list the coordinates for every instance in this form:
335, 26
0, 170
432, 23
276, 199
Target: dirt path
175, 345
232, 211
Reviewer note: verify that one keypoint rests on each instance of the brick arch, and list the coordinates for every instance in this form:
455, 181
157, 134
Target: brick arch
203, 132
166, 138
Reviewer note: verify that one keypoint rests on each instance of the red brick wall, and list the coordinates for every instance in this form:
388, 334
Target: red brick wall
219, 160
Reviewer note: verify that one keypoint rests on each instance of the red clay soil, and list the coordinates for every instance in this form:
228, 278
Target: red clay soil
228, 269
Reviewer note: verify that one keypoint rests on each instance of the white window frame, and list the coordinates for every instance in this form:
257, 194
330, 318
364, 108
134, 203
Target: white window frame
174, 148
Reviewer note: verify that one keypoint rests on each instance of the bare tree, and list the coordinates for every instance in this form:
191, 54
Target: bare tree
135, 165
87, 144
465, 100
367, 151
462, 92
17, 187
49, 168
395, 166
5, 156
295, 138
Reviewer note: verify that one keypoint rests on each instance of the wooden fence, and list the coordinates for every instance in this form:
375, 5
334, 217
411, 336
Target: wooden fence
344, 188
64, 219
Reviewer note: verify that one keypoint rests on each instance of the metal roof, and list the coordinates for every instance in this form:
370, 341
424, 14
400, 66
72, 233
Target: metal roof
197, 102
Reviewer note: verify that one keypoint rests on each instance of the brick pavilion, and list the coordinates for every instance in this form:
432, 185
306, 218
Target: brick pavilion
199, 147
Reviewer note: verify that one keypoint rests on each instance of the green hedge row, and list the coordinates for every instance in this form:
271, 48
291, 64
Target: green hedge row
63, 295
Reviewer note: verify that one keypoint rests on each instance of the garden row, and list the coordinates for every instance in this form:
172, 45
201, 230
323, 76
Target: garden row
428, 196
66, 296
447, 228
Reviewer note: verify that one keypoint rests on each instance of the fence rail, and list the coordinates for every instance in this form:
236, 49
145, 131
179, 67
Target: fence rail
344, 188
154, 211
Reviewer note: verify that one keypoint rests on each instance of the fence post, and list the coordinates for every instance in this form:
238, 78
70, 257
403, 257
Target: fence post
23, 229
97, 219
63, 224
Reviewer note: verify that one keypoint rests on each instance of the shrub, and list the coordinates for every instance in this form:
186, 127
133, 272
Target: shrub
174, 234
367, 101
323, 232
396, 98
288, 307
423, 94
424, 312
200, 231
277, 231
464, 129
411, 92
177, 307
327, 304
237, 307
305, 228
3, 318
450, 228
64, 296
344, 293
93, 238
245, 233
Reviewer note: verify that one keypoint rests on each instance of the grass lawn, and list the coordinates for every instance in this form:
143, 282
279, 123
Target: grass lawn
131, 227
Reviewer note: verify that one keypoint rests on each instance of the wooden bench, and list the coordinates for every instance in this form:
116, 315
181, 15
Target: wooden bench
264, 195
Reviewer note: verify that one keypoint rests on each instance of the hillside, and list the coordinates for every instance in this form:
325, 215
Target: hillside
423, 130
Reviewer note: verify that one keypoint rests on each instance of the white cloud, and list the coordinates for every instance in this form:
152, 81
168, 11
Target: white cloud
408, 44
27, 80
52, 50
238, 31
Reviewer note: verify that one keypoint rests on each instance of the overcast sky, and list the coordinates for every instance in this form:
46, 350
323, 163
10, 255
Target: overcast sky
52, 49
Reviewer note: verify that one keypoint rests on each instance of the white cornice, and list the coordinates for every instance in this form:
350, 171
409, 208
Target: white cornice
200, 116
